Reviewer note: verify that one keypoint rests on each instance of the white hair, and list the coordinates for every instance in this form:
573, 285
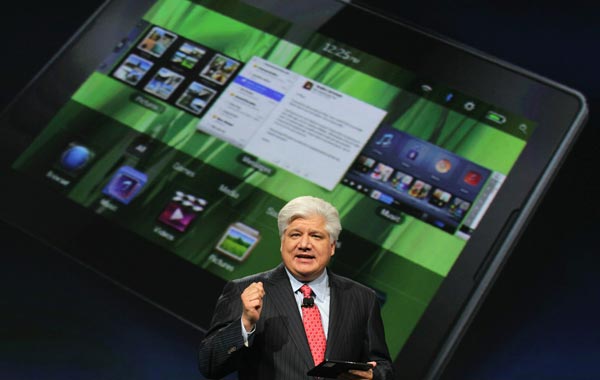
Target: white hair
307, 206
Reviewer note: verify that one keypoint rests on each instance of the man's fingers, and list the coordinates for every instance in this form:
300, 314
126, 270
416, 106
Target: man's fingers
252, 296
355, 374
258, 286
255, 290
255, 303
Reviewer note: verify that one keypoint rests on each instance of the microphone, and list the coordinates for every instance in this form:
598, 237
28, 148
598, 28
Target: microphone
308, 302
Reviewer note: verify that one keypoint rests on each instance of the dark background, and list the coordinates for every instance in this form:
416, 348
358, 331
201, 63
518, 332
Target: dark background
60, 320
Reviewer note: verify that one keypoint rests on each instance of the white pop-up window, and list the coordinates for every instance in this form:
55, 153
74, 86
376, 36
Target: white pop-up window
293, 122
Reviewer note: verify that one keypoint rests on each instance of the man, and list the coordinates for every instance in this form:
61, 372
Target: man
258, 328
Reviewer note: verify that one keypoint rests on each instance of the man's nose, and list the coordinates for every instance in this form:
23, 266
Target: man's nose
304, 242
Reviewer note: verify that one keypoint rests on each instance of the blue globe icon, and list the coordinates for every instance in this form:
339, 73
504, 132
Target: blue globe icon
75, 157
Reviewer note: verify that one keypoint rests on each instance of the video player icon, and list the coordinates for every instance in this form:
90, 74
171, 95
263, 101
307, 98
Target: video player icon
181, 211
177, 215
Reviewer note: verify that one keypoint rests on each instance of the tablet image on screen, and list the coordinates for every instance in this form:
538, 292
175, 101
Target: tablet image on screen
196, 131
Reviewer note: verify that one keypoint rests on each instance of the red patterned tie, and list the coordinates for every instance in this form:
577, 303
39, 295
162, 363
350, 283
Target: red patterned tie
314, 327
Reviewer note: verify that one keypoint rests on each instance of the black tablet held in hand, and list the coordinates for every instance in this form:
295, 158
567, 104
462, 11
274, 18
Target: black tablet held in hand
331, 369
167, 134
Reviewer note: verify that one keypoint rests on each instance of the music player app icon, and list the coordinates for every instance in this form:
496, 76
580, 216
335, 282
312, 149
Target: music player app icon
385, 140
125, 184
181, 211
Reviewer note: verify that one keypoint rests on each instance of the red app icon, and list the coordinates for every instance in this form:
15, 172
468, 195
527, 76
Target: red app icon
472, 178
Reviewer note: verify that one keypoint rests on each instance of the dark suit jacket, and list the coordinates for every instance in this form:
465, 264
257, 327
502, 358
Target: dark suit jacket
278, 349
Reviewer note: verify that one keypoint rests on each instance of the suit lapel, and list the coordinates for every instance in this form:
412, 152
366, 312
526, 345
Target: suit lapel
335, 314
284, 301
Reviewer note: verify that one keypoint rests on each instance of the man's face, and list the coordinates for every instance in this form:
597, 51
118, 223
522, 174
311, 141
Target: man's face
306, 247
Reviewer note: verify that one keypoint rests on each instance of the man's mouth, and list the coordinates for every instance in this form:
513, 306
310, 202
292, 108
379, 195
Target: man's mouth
304, 256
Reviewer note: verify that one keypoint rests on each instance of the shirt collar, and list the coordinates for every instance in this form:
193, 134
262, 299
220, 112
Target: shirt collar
318, 285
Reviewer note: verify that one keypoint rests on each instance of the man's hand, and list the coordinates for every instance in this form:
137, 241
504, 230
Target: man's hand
252, 301
355, 374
